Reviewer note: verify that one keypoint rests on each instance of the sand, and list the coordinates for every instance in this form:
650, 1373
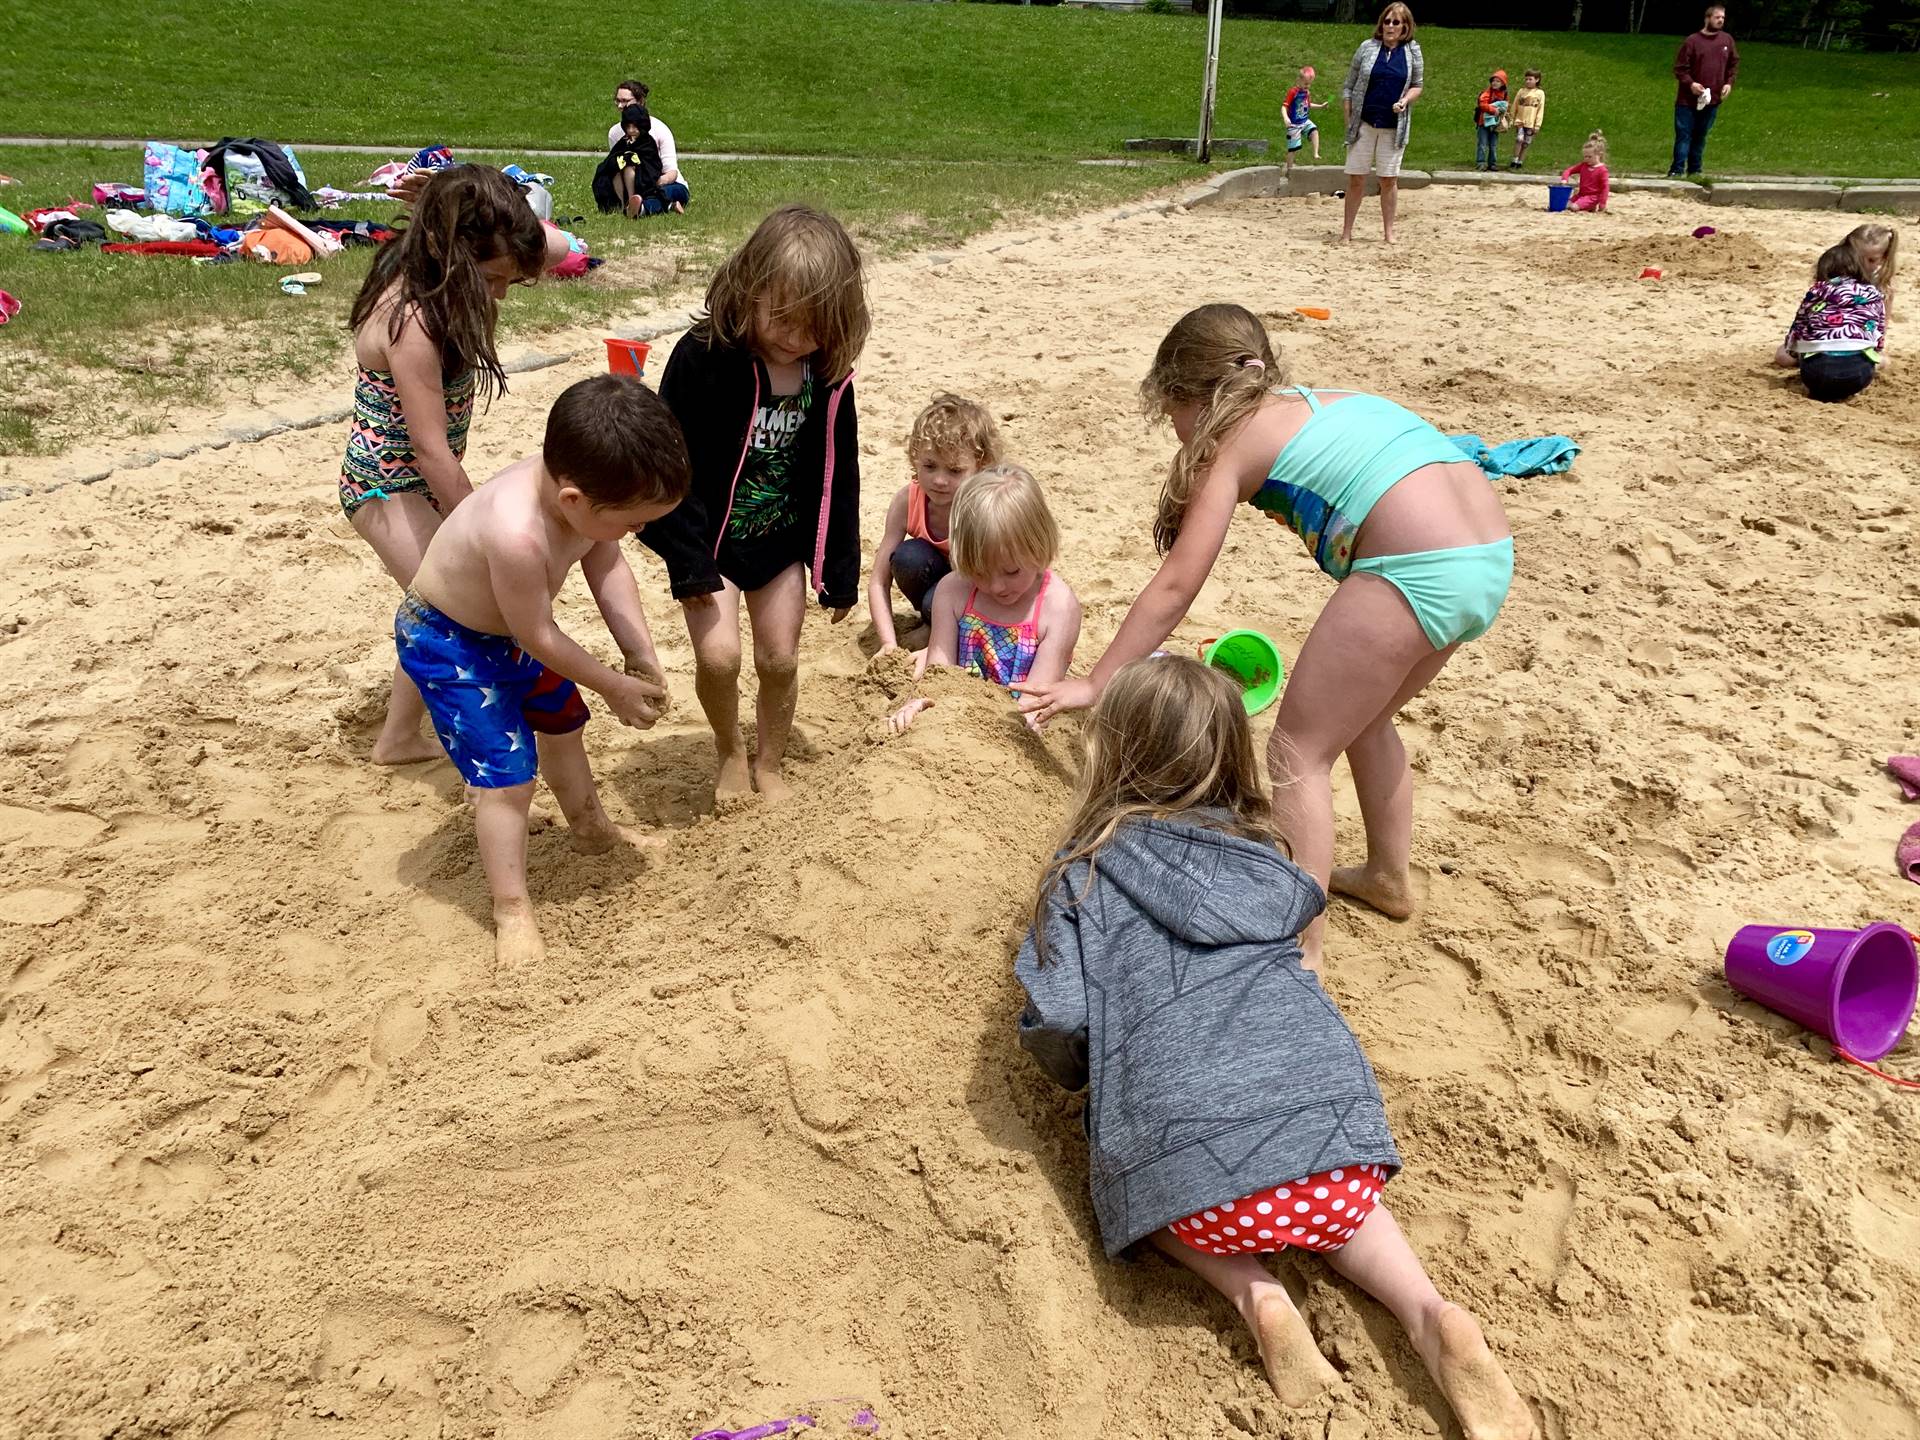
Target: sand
284, 1158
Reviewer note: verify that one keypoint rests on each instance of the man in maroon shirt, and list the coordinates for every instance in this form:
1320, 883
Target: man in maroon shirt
1705, 67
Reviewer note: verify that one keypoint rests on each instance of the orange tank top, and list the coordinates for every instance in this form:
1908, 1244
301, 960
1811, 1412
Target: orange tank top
917, 518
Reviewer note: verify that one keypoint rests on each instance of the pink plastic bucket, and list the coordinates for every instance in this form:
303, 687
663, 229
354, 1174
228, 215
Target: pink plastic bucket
1856, 987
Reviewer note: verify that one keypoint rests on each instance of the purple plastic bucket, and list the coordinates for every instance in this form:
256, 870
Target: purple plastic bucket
1856, 987
1558, 195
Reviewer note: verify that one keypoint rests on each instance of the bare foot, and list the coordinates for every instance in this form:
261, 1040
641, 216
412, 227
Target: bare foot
771, 784
1482, 1397
1391, 895
598, 839
735, 781
406, 750
516, 938
1295, 1368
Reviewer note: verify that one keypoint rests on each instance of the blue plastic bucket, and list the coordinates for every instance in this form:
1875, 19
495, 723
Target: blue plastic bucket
1558, 195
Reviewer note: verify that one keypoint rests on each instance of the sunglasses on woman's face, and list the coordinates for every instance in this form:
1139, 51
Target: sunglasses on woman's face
1394, 23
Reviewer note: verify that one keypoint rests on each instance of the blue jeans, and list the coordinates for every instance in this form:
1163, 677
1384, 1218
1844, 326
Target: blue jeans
1690, 127
673, 190
918, 569
1486, 146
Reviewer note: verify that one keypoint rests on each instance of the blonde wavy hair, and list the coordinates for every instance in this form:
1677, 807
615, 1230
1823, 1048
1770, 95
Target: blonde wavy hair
803, 262
1000, 519
953, 427
1219, 358
1169, 736
1859, 238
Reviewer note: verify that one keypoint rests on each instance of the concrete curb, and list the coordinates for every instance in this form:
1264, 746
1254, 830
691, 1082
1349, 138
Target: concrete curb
1272, 181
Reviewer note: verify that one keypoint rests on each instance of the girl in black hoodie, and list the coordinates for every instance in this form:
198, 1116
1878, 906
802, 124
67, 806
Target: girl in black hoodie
763, 389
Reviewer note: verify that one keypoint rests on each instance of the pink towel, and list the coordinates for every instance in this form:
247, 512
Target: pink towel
1906, 854
1906, 769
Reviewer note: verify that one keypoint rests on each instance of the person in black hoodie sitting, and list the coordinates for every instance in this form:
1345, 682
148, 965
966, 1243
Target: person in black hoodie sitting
635, 159
763, 388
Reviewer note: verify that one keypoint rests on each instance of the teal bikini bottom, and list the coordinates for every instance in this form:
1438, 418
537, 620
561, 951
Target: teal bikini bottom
1455, 594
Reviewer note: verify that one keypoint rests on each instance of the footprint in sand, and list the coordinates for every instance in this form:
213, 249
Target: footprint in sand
41, 904
380, 1348
55, 829
398, 1032
347, 1088
171, 1183
1886, 1218
530, 1351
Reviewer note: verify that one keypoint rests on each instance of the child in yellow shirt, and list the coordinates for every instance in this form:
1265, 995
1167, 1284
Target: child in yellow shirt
1529, 114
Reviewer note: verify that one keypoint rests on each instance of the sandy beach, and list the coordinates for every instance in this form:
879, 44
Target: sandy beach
283, 1157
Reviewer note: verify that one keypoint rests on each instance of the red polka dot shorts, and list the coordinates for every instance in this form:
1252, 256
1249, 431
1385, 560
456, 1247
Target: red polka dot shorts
1316, 1212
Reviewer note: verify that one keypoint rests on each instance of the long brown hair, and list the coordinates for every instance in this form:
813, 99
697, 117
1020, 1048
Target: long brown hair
466, 216
806, 265
1169, 736
1217, 357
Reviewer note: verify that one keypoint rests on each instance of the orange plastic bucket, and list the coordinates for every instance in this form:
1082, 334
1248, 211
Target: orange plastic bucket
627, 357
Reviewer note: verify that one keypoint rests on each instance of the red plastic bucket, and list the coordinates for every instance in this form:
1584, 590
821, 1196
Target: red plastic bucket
1856, 987
627, 357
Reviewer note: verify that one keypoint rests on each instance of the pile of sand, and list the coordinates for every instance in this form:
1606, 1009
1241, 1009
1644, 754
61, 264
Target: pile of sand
283, 1158
1726, 255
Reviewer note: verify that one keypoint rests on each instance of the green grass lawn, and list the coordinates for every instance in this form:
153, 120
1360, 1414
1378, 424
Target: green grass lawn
106, 342
877, 78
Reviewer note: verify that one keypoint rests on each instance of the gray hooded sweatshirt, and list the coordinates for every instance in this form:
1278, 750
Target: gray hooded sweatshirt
1217, 1065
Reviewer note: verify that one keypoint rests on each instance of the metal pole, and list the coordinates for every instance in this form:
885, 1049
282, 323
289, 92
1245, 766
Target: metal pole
1210, 80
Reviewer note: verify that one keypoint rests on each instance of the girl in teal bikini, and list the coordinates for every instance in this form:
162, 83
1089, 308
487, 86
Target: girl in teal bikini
1413, 534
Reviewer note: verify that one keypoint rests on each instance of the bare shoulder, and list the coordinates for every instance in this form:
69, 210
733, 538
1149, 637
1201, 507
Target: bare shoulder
506, 513
1061, 605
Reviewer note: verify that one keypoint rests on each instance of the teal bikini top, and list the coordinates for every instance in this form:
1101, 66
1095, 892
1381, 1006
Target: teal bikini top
1336, 467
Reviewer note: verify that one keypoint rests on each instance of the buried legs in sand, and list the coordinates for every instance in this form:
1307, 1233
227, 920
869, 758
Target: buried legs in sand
777, 611
1381, 1262
500, 825
398, 528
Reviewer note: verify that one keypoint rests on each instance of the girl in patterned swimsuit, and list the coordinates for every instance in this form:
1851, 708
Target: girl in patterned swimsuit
423, 328
1002, 614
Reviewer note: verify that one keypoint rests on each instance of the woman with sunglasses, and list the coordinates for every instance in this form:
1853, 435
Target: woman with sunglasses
1383, 81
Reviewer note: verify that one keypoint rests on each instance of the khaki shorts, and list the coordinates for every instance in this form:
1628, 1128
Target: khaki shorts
1375, 150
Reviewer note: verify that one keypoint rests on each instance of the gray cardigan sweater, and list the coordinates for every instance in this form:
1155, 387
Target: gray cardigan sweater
1361, 71
1217, 1066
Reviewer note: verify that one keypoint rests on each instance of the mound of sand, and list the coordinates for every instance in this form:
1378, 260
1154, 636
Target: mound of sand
283, 1158
1723, 255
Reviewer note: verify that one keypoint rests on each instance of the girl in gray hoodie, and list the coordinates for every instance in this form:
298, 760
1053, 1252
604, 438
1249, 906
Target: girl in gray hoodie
1230, 1111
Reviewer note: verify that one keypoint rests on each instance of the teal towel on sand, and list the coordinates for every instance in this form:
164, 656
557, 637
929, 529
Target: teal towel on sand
1548, 455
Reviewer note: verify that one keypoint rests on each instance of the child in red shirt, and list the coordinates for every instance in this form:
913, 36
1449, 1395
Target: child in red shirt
1591, 174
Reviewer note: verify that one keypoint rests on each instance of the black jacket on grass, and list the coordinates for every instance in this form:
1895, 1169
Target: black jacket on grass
713, 391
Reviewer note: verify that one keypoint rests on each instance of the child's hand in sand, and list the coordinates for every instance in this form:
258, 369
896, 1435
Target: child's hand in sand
1785, 357
648, 668
1040, 701
839, 613
636, 702
903, 717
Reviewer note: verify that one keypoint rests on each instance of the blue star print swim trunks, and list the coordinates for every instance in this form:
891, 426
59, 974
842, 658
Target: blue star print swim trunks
486, 696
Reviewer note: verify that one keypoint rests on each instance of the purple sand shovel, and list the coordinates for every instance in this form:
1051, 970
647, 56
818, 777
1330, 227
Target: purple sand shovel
864, 1421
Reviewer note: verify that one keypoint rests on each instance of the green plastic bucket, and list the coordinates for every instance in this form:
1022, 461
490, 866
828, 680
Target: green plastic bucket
1253, 661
